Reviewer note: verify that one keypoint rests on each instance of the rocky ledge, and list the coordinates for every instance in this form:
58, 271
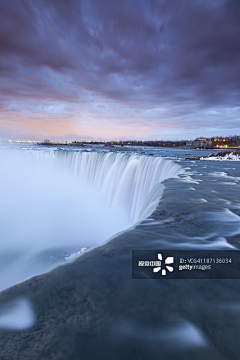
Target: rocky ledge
221, 156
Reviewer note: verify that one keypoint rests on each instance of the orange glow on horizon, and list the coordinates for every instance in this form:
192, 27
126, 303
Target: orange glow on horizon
53, 128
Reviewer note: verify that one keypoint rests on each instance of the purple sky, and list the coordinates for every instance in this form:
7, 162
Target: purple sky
111, 69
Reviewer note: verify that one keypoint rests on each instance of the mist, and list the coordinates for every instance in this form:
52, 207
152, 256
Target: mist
47, 212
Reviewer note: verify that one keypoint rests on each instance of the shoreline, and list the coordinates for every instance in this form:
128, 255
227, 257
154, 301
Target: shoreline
117, 146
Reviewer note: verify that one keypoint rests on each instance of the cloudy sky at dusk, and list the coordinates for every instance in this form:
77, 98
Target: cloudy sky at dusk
110, 69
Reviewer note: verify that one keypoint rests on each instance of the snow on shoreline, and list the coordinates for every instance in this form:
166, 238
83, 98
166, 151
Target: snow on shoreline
75, 255
227, 157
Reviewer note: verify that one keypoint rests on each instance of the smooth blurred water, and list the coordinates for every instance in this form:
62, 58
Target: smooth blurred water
94, 309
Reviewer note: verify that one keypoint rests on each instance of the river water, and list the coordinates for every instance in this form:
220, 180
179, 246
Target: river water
55, 203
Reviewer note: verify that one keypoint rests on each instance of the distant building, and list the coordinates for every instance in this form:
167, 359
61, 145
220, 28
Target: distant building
199, 143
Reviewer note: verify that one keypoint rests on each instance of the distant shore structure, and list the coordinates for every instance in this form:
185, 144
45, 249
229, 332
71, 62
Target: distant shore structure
230, 142
203, 143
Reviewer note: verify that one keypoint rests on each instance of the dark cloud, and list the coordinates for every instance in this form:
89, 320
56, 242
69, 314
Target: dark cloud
145, 54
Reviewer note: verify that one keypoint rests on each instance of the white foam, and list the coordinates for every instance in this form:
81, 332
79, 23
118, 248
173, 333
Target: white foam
199, 201
188, 335
226, 157
182, 334
75, 255
17, 316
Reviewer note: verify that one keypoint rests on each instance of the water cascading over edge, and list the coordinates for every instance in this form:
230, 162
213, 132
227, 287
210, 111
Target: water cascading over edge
132, 182
57, 202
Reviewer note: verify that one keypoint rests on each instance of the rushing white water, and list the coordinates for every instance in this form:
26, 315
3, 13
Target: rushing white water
55, 203
130, 182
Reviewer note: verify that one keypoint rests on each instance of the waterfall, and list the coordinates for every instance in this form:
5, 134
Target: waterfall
131, 182
53, 203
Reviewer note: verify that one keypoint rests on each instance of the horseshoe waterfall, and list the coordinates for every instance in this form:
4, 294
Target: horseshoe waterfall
57, 202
